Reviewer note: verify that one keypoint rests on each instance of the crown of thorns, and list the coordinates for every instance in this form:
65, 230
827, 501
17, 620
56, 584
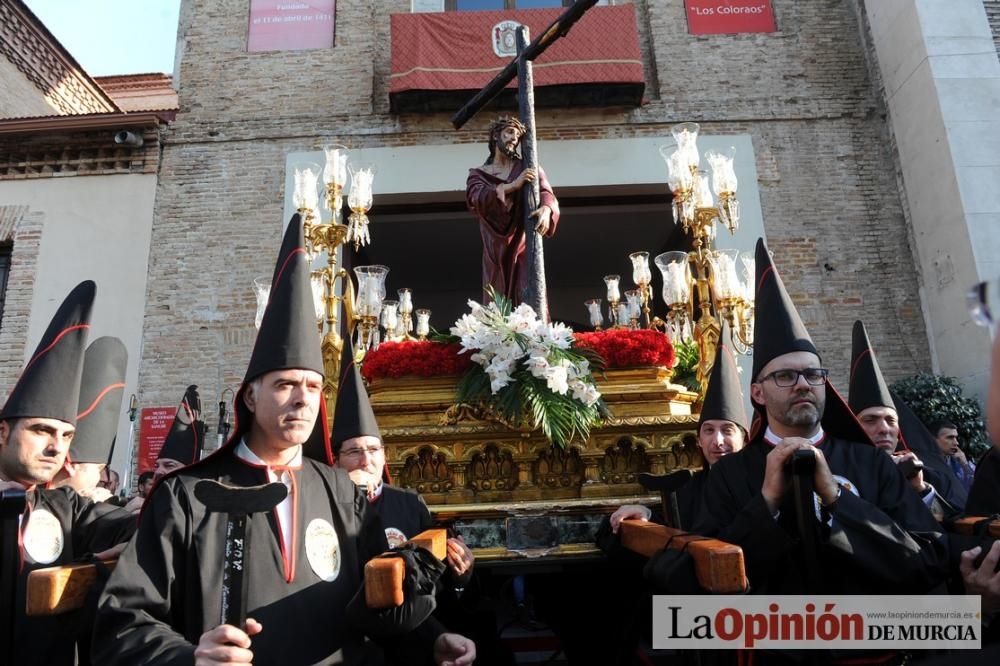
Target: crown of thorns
506, 121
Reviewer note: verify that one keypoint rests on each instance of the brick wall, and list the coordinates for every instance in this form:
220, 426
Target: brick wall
805, 94
24, 228
993, 15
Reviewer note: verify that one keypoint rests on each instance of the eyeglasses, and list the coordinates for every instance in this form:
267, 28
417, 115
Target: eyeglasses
787, 377
981, 300
359, 451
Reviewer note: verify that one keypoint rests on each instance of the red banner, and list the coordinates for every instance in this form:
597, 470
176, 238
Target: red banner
154, 424
465, 50
291, 25
717, 17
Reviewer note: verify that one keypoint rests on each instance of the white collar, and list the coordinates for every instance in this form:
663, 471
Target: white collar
773, 439
243, 452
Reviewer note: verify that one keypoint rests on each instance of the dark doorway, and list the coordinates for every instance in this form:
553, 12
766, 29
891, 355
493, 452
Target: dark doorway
435, 250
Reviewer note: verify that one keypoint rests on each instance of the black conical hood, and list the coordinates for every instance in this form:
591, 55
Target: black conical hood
187, 432
777, 327
724, 399
101, 392
868, 388
353, 416
288, 337
779, 330
49, 385
917, 438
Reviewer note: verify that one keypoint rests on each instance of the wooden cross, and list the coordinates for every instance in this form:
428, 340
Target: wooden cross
521, 68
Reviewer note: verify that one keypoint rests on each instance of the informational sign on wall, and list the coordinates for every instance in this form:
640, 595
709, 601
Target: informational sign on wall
154, 424
291, 25
718, 17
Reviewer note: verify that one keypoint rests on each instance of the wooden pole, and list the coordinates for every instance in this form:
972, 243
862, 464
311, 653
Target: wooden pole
534, 293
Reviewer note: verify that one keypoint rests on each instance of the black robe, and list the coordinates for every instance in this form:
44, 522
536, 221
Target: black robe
984, 496
691, 497
166, 590
882, 540
404, 513
87, 527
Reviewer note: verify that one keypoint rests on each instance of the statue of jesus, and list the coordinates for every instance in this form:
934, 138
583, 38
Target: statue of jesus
492, 193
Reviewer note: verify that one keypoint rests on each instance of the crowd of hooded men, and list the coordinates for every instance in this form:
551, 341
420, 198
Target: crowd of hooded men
884, 486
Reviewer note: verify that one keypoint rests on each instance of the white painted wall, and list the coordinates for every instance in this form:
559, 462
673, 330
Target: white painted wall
942, 84
98, 228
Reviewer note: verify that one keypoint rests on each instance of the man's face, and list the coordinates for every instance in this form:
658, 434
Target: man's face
285, 404
145, 487
882, 426
800, 405
363, 458
507, 141
717, 438
86, 476
33, 450
947, 441
164, 466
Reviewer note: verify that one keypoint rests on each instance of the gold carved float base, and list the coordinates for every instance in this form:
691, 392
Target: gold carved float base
456, 456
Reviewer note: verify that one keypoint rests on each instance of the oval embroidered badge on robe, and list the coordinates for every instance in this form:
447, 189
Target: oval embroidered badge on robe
43, 538
323, 549
395, 537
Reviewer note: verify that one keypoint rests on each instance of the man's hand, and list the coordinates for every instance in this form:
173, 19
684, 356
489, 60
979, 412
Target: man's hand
226, 645
826, 486
364, 479
917, 481
134, 505
460, 557
983, 581
959, 455
97, 494
628, 512
527, 176
454, 650
773, 488
544, 215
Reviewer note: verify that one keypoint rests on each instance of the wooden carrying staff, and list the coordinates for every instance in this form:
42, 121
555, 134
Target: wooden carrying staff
990, 526
57, 590
384, 575
717, 564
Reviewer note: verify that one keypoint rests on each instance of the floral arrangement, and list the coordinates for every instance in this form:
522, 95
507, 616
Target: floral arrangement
620, 348
422, 358
527, 370
624, 348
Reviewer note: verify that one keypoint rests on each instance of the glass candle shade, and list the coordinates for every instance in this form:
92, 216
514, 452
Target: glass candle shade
676, 277
594, 310
360, 198
614, 293
306, 195
423, 322
262, 290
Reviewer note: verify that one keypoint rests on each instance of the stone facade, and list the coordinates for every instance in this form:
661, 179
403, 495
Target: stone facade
807, 96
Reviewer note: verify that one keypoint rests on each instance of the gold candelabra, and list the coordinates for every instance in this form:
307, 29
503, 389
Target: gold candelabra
705, 277
332, 286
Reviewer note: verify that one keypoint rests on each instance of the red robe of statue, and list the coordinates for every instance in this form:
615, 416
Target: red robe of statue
504, 265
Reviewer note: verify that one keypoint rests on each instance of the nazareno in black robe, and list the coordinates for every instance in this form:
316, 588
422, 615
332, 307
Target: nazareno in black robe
880, 540
87, 527
158, 611
404, 511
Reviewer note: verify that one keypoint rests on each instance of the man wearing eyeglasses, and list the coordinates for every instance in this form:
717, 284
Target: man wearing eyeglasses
871, 531
357, 445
